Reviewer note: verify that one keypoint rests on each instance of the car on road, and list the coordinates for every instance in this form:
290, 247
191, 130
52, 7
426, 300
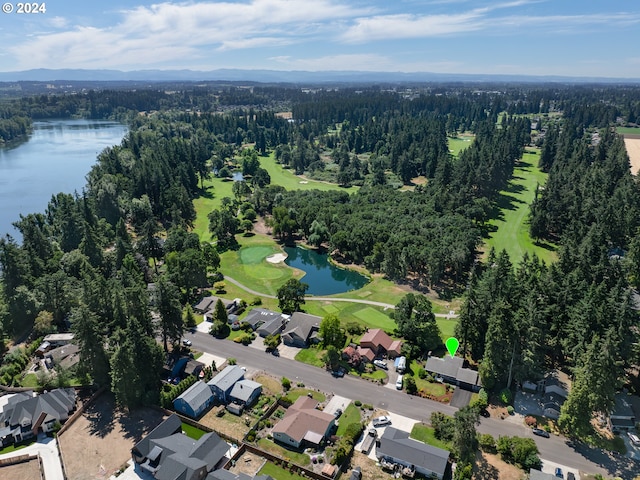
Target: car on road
541, 433
559, 473
571, 476
338, 373
399, 382
381, 421
485, 413
634, 438
381, 364
186, 342
337, 413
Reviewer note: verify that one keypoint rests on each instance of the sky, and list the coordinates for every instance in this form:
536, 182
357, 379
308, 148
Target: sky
594, 38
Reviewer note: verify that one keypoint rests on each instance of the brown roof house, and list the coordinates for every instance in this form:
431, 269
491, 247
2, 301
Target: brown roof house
379, 343
303, 423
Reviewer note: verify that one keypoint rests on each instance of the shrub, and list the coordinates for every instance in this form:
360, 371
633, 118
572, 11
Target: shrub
487, 443
510, 410
251, 436
256, 301
482, 400
232, 361
443, 426
530, 421
352, 432
422, 373
354, 328
357, 403
506, 396
286, 383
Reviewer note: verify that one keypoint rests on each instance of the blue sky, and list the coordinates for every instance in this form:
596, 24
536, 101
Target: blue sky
533, 37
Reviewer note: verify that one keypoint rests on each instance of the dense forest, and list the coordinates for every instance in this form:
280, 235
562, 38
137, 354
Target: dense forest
88, 259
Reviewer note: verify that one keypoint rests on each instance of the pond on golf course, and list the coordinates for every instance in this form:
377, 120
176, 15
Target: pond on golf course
323, 277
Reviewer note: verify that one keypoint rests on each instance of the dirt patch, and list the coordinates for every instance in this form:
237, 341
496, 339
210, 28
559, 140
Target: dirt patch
234, 426
21, 471
491, 467
259, 226
99, 442
633, 150
249, 464
370, 470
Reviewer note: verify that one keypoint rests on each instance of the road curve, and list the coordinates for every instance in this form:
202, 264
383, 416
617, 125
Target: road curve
330, 299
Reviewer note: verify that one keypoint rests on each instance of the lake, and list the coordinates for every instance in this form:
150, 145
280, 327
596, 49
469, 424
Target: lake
323, 277
55, 158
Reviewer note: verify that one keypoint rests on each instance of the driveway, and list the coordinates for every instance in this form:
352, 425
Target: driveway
550, 467
337, 402
526, 403
632, 450
461, 398
47, 448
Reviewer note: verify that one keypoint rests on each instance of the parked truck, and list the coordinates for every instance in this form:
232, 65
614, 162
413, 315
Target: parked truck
370, 437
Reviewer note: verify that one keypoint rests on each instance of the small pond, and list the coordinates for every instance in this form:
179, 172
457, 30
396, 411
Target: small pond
323, 277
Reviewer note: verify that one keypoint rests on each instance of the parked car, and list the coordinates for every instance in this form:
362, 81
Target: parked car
571, 476
381, 421
634, 438
338, 373
485, 413
356, 474
399, 382
381, 364
541, 433
559, 473
337, 413
186, 342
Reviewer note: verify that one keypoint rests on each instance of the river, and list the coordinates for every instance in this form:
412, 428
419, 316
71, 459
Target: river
55, 158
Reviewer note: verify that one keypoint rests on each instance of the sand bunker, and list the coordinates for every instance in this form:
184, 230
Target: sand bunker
276, 258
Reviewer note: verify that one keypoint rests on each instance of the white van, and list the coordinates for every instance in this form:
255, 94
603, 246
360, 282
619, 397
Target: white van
634, 438
399, 382
402, 365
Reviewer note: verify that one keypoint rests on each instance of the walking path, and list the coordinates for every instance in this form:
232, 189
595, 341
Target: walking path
332, 299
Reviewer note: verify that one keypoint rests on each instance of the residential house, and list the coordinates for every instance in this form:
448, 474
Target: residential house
380, 343
395, 446
245, 392
66, 356
227, 475
259, 316
622, 417
194, 400
42, 349
352, 356
168, 454
59, 339
301, 329
450, 369
552, 399
25, 415
303, 423
222, 384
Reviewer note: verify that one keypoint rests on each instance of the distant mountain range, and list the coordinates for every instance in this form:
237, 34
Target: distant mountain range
277, 76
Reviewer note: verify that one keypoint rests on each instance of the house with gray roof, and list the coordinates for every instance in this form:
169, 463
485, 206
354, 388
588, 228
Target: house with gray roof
301, 329
396, 447
451, 370
194, 400
25, 415
222, 384
265, 322
172, 456
622, 416
245, 392
222, 474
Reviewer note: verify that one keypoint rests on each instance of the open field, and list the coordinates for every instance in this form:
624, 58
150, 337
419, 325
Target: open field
459, 143
633, 150
512, 210
99, 442
628, 130
29, 470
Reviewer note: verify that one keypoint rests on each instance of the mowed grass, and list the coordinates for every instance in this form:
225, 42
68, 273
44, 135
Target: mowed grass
628, 130
350, 415
426, 434
215, 189
459, 143
274, 471
446, 326
512, 211
375, 319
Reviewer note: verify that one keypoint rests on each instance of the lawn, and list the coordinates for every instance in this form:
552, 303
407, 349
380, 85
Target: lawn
459, 143
274, 471
424, 433
30, 380
434, 388
296, 393
512, 211
275, 449
447, 327
628, 130
350, 415
310, 356
375, 319
192, 432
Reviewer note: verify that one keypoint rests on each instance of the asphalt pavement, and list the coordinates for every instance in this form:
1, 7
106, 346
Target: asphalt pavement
555, 449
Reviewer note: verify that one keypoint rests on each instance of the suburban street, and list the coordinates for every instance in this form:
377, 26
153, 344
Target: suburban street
555, 449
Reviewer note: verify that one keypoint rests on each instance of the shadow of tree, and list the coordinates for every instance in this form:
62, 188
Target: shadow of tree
483, 470
100, 415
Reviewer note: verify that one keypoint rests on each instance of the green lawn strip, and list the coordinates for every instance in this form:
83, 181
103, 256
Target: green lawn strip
375, 375
457, 144
30, 380
375, 319
215, 190
424, 433
192, 432
13, 448
295, 457
274, 471
512, 232
310, 356
350, 415
447, 327
434, 388
298, 392
628, 130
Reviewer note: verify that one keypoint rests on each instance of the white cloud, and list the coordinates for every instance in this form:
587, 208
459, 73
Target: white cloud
58, 22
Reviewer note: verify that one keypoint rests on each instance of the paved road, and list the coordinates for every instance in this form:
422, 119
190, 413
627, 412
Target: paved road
331, 299
555, 449
47, 448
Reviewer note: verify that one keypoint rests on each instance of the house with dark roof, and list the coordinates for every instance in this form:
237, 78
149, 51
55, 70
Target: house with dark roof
66, 355
207, 304
380, 343
25, 415
301, 329
194, 400
451, 370
168, 454
395, 446
259, 316
222, 474
303, 423
622, 417
245, 392
552, 399
222, 384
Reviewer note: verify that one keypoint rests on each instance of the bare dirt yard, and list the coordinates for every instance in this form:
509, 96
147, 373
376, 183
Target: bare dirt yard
633, 150
21, 471
370, 470
99, 442
491, 467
